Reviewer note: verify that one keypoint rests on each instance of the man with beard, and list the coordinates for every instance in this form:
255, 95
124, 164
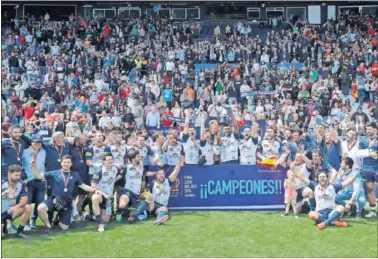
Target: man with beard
190, 143
11, 150
103, 181
93, 158
118, 150
134, 174
368, 151
270, 146
172, 150
14, 200
210, 142
248, 146
11, 154
331, 148
157, 201
303, 165
325, 197
229, 146
349, 148
144, 150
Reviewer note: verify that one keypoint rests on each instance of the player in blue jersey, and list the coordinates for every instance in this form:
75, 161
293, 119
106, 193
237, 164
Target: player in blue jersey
368, 150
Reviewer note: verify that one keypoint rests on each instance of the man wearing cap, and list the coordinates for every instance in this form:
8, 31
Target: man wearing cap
36, 187
368, 151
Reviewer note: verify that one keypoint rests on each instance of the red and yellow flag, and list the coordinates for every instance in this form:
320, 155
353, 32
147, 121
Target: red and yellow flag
354, 90
269, 162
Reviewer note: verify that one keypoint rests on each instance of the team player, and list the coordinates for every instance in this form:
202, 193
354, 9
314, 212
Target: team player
270, 146
209, 144
93, 158
157, 201
230, 145
144, 150
325, 194
172, 149
134, 174
304, 165
14, 200
346, 172
349, 148
248, 145
358, 197
103, 181
117, 149
190, 143
368, 150
63, 182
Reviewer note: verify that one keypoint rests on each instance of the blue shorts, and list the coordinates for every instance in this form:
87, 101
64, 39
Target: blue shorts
323, 214
369, 177
64, 215
156, 207
5, 216
133, 198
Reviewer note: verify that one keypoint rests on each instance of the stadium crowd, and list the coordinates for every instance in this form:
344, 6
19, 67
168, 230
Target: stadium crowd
87, 106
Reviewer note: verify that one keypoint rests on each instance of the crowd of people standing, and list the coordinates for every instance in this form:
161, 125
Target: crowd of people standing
87, 106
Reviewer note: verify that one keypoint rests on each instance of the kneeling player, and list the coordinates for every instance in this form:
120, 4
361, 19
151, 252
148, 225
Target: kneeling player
14, 200
103, 181
134, 174
161, 189
325, 197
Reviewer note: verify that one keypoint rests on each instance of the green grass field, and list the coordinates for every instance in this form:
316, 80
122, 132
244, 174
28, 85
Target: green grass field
203, 234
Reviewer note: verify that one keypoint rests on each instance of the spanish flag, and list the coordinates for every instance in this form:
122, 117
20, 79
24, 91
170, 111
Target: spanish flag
270, 162
354, 90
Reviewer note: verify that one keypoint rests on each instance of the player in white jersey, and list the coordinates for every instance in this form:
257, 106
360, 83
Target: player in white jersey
93, 158
230, 145
190, 143
302, 164
270, 146
157, 201
326, 212
210, 143
118, 150
134, 174
248, 146
349, 148
172, 150
145, 151
94, 152
156, 147
103, 181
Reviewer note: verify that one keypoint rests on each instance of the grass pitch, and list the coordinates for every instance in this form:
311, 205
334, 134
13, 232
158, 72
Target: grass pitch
203, 234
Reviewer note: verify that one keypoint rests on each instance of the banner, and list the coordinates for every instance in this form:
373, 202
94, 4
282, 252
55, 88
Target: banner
227, 187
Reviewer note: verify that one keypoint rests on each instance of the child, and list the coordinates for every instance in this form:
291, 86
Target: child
290, 194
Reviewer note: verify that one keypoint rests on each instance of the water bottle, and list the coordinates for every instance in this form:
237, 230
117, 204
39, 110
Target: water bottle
108, 207
119, 218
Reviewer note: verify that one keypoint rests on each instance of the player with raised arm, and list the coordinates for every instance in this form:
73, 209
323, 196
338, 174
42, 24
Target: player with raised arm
157, 201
